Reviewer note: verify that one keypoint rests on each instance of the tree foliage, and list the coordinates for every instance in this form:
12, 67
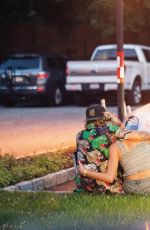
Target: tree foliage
137, 15
16, 10
100, 14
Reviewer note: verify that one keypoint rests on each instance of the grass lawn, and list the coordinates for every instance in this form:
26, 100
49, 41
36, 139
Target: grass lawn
48, 211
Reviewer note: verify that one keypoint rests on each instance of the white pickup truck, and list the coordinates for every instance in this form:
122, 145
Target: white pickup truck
98, 75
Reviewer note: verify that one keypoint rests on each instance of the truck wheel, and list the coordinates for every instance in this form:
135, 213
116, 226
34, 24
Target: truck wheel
135, 96
58, 96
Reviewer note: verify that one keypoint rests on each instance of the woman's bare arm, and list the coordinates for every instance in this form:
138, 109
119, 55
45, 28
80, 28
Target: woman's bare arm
138, 136
109, 176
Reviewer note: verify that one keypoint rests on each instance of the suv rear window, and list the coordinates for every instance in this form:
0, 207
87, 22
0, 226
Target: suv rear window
20, 63
110, 54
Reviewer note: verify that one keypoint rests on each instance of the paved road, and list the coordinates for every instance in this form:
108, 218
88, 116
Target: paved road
32, 130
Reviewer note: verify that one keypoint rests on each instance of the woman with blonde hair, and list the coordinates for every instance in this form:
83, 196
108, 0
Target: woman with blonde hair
133, 153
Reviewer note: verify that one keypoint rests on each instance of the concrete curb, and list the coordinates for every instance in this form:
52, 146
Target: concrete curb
45, 182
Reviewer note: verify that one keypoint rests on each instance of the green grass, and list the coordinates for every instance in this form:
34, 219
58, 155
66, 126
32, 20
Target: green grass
48, 211
15, 170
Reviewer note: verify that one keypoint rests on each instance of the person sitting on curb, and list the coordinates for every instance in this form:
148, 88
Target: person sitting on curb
133, 153
101, 129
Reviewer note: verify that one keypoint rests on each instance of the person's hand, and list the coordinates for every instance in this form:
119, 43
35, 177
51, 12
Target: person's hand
113, 118
107, 115
121, 133
80, 168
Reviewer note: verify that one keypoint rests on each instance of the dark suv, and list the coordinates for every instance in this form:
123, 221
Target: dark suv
26, 76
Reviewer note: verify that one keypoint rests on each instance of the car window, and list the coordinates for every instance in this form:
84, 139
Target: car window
147, 54
20, 63
110, 54
130, 55
105, 55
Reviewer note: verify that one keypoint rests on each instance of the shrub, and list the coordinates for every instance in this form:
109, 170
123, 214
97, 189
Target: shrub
5, 177
15, 170
7, 161
16, 173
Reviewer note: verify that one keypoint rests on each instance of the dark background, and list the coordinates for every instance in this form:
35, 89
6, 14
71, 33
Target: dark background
71, 27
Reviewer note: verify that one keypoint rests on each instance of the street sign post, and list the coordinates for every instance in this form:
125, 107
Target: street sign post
120, 59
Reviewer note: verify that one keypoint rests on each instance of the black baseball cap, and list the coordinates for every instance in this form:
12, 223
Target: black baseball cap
95, 112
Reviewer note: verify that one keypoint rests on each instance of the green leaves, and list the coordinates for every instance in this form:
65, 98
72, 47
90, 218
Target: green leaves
99, 14
13, 170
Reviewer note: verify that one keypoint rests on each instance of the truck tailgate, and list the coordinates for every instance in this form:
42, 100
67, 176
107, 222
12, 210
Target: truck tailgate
91, 71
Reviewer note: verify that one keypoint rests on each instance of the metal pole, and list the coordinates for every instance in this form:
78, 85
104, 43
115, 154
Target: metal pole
120, 58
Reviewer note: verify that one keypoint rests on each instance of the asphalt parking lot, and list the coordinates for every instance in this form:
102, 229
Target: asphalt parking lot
29, 130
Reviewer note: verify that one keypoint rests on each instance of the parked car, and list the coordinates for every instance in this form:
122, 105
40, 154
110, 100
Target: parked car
27, 76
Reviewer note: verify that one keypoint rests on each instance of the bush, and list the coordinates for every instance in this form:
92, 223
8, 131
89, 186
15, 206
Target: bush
5, 177
7, 161
15, 170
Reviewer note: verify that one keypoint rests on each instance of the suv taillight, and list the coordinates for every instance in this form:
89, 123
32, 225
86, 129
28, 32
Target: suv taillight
42, 75
67, 71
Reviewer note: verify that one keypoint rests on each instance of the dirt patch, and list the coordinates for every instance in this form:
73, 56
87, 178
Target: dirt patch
69, 186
